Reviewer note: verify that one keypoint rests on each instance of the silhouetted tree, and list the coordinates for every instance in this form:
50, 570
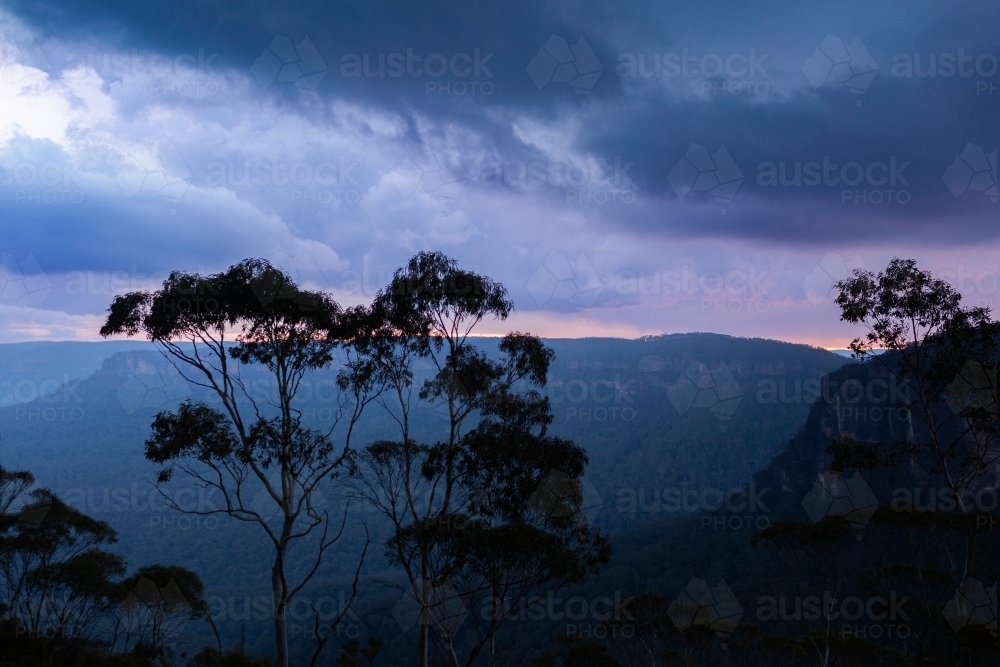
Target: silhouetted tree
211, 326
353, 654
154, 605
942, 355
13, 485
56, 578
575, 652
919, 332
487, 513
61, 591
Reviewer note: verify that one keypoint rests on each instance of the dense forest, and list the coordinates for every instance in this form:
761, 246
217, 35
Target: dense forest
259, 476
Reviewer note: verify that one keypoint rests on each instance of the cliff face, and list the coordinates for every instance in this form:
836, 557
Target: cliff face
862, 402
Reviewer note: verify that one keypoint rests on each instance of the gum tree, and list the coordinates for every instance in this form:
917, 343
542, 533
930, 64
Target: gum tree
60, 584
56, 574
213, 327
484, 505
944, 355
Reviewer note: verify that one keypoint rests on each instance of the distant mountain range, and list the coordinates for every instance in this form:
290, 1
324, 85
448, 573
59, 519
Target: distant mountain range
30, 370
670, 423
860, 401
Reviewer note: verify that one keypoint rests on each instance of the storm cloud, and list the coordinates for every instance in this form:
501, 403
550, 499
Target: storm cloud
624, 169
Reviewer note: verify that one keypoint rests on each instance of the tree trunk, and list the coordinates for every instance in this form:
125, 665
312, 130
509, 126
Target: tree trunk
280, 629
422, 643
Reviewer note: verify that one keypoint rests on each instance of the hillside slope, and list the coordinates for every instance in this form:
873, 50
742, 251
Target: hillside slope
658, 416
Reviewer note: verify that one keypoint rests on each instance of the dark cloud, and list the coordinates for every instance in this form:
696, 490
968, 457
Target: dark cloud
541, 128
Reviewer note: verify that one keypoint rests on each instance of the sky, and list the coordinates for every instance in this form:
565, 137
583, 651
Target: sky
623, 168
